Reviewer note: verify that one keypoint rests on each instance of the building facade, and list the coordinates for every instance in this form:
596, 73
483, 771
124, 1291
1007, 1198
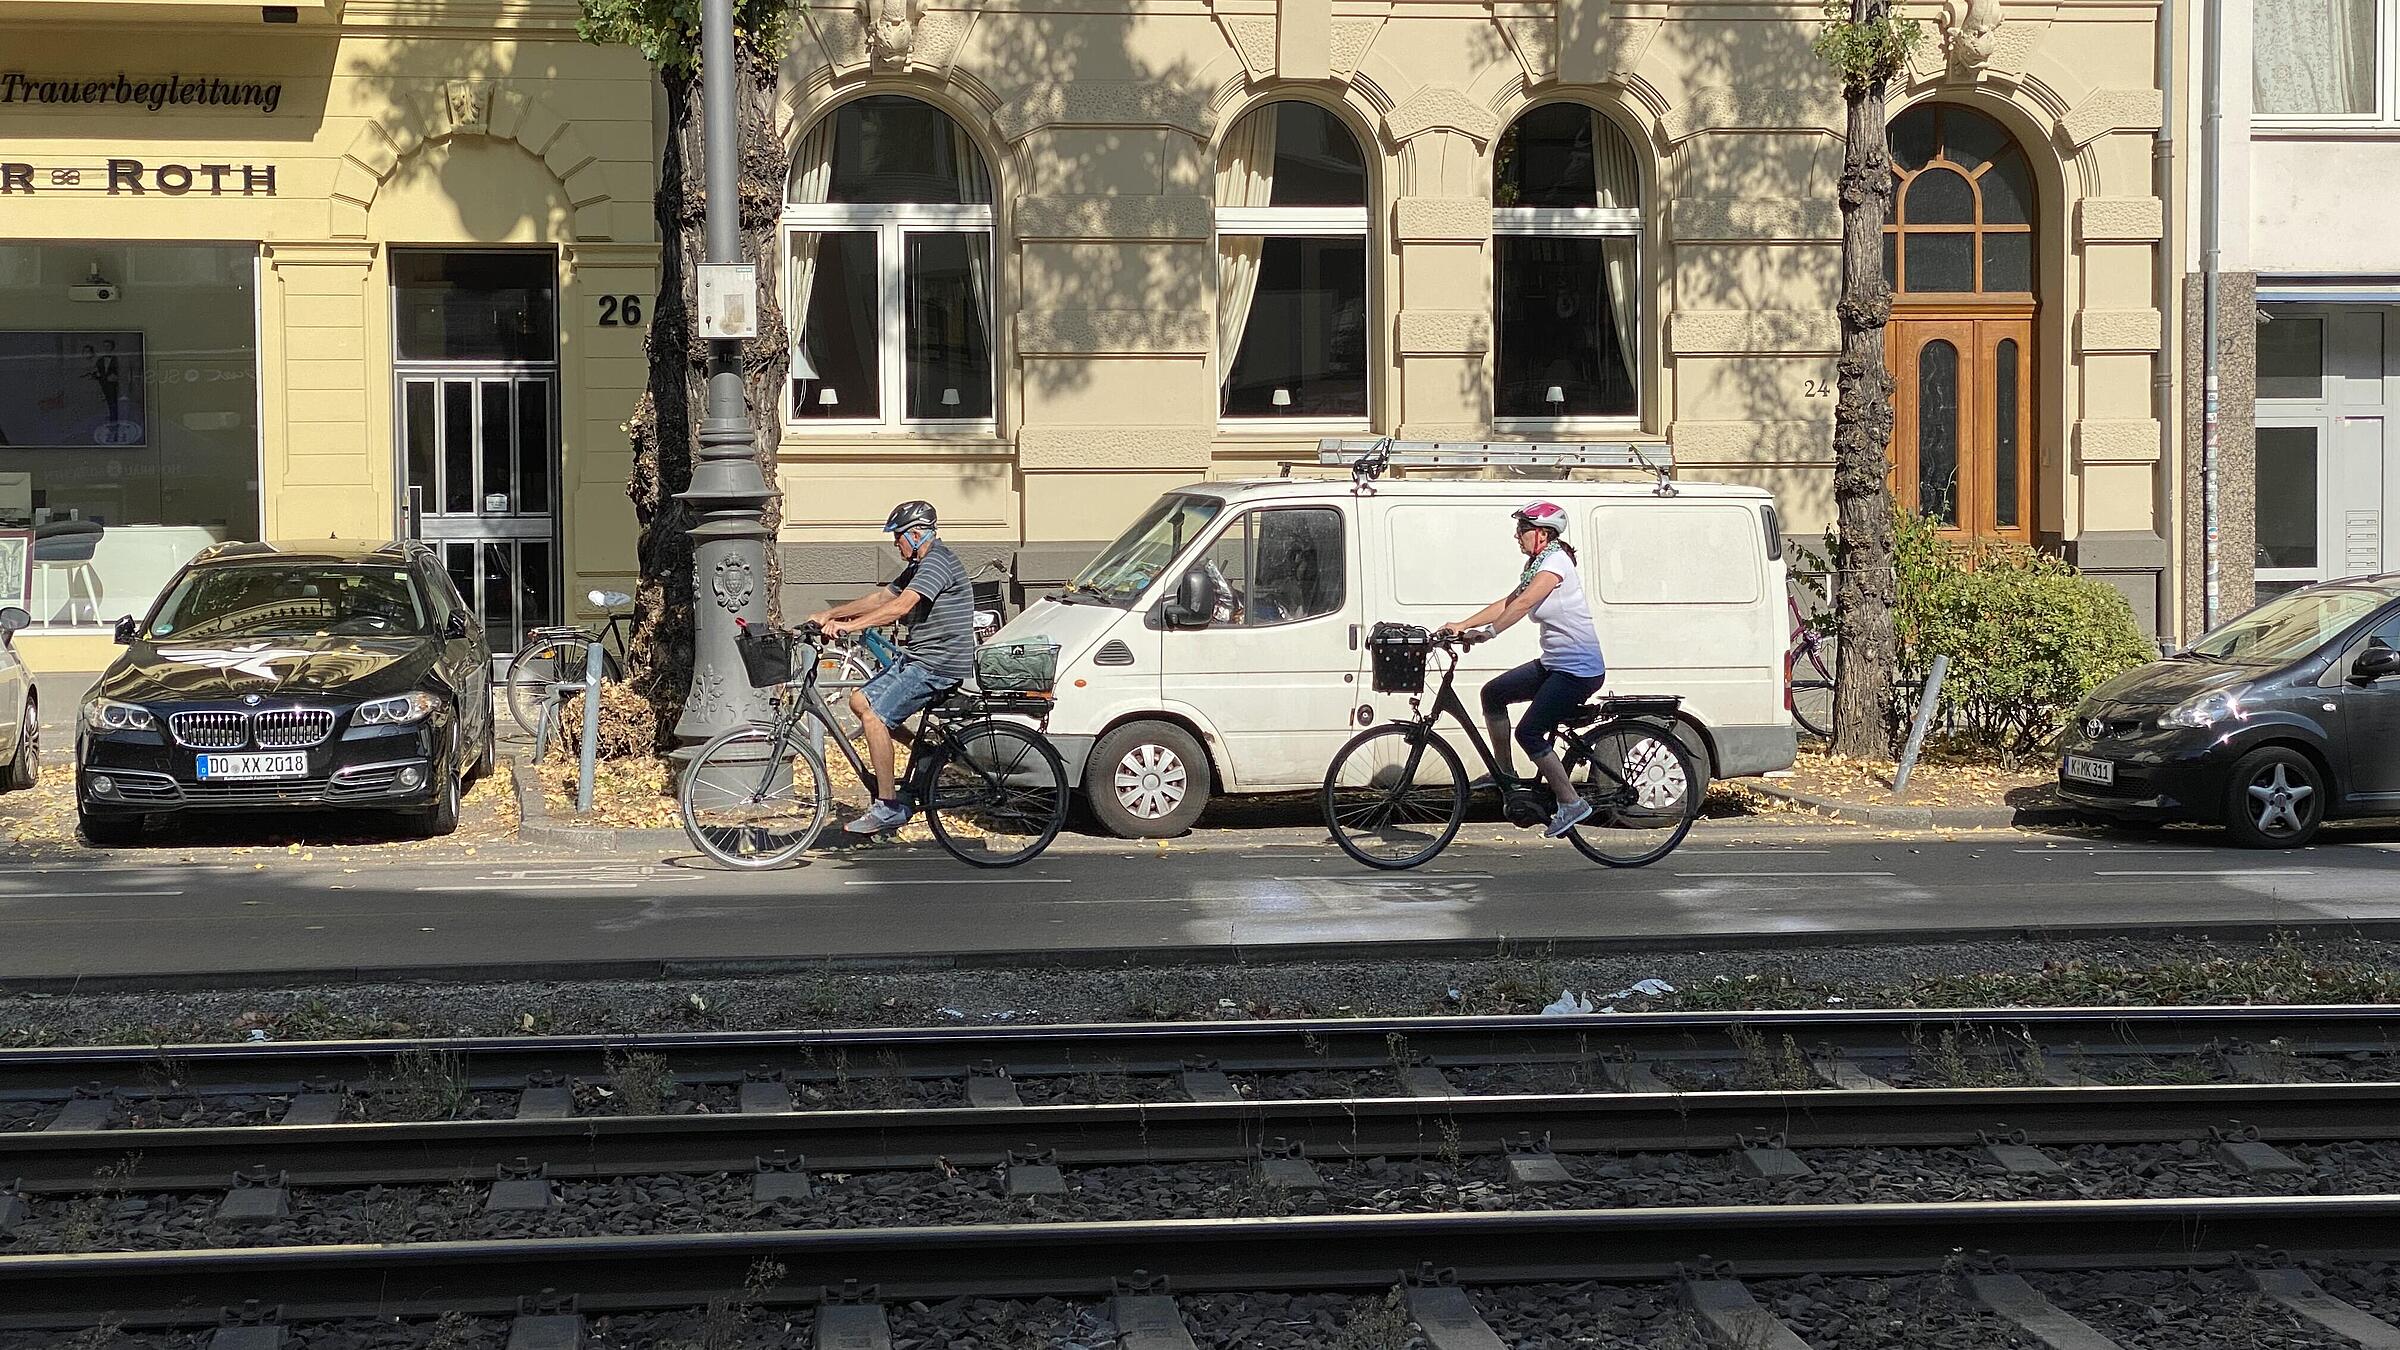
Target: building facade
329, 269
1043, 262
2308, 447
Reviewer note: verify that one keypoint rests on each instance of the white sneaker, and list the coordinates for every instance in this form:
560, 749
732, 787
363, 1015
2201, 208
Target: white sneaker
1568, 817
878, 819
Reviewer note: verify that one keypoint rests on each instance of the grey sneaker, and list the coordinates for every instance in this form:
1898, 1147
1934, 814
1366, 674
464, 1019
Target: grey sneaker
879, 819
1568, 817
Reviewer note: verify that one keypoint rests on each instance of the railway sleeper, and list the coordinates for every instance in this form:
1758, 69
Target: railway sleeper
1146, 1316
546, 1321
2008, 1295
1733, 1316
252, 1326
2297, 1290
1446, 1314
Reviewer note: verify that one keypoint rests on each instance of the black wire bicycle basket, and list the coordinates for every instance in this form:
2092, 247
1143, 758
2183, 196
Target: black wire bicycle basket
1397, 651
766, 655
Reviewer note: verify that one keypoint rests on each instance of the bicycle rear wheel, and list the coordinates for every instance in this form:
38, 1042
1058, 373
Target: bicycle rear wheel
1645, 788
1395, 796
541, 663
752, 799
1812, 691
996, 794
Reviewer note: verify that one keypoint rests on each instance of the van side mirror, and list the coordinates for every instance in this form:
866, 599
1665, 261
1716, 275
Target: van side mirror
128, 628
1194, 603
2374, 663
456, 626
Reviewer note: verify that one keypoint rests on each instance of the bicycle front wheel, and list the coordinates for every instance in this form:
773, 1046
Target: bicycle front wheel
1395, 796
997, 794
1812, 690
752, 799
1645, 788
545, 662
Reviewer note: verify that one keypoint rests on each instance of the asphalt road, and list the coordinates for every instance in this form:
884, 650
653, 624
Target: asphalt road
70, 917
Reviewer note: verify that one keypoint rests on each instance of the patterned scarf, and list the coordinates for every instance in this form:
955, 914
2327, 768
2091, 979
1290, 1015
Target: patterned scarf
1533, 567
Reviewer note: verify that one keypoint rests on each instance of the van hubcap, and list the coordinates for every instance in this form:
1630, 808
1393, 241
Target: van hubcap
1655, 775
2276, 801
1151, 781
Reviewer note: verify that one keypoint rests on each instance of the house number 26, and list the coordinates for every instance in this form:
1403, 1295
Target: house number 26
620, 311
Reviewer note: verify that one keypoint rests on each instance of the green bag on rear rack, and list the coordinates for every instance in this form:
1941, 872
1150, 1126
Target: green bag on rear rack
1026, 667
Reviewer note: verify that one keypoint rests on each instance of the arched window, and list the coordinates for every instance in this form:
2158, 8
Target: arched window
1963, 223
1566, 268
888, 269
1293, 297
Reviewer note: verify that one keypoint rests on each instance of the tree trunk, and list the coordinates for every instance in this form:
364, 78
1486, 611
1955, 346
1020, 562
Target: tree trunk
666, 419
1864, 585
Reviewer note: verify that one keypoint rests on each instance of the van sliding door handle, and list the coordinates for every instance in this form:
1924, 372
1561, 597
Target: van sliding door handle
1354, 637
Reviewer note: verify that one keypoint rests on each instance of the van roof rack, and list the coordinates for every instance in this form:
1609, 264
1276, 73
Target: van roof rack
1371, 458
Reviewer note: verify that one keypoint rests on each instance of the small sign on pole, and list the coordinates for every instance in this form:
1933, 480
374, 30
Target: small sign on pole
728, 300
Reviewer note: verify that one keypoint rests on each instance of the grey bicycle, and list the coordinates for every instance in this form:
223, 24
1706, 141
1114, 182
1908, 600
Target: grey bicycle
993, 791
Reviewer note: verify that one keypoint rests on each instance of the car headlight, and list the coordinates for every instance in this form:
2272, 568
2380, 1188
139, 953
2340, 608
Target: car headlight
388, 712
2205, 710
106, 714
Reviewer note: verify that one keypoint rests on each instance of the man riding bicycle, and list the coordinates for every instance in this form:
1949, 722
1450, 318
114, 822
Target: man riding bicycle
1569, 669
937, 654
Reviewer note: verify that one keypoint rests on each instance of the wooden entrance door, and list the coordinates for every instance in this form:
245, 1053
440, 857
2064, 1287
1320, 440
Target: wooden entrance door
1963, 406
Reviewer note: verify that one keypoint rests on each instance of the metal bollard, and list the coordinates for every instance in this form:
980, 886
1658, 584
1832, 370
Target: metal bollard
591, 727
1931, 699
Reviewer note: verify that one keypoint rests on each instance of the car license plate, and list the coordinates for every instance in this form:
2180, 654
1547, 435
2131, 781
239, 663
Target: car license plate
293, 765
2084, 770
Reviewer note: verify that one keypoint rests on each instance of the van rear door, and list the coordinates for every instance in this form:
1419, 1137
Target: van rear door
1274, 673
1680, 590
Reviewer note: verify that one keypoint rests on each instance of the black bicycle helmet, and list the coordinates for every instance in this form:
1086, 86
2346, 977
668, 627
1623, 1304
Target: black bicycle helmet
910, 516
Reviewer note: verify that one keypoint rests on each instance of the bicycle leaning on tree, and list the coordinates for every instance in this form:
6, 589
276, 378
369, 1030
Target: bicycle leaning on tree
992, 789
1395, 796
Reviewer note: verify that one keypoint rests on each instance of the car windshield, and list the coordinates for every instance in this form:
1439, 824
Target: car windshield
2289, 628
289, 600
1127, 567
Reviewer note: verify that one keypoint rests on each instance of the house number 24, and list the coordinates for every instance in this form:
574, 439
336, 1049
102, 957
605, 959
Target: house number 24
620, 311
1817, 389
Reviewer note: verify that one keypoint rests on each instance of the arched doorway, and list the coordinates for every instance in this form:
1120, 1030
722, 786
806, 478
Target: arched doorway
1960, 256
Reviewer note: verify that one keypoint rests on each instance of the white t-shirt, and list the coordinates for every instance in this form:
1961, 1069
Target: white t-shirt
1570, 644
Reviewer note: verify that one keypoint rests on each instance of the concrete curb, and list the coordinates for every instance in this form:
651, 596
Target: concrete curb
535, 824
1898, 817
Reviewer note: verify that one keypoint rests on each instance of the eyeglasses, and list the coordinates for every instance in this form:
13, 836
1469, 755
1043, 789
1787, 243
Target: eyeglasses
1524, 525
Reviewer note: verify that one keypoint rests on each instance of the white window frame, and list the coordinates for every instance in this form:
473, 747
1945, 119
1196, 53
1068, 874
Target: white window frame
891, 224
2384, 118
1573, 222
1304, 222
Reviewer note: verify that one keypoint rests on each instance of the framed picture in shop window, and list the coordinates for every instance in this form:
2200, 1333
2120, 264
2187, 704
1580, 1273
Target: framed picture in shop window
16, 568
68, 390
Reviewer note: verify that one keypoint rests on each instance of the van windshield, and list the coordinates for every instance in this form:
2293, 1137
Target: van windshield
1127, 567
2289, 628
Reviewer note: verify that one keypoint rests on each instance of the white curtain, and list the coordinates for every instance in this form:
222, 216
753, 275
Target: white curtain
1245, 178
975, 189
2313, 56
1618, 178
812, 178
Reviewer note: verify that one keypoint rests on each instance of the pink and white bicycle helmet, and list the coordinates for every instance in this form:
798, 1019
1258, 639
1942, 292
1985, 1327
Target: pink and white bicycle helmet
1548, 515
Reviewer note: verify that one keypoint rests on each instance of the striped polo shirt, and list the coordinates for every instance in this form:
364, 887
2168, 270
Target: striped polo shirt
941, 629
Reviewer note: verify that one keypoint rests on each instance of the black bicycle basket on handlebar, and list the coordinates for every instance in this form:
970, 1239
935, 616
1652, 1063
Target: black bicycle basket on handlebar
766, 655
1398, 652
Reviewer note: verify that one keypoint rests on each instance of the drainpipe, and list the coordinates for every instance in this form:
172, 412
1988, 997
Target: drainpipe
2170, 294
2211, 168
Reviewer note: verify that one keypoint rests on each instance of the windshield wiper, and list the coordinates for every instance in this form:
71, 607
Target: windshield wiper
1068, 595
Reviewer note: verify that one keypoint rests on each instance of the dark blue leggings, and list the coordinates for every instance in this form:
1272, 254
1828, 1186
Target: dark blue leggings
1551, 694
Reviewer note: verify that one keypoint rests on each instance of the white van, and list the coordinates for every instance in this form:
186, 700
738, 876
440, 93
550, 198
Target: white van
1218, 646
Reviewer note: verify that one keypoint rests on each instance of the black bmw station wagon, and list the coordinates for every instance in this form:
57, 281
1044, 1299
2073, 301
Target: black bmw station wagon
314, 675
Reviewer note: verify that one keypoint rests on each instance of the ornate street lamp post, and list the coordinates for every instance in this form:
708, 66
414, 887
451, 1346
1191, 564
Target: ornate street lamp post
728, 494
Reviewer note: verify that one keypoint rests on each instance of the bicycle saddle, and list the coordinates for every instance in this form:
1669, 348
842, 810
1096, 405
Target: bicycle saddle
609, 599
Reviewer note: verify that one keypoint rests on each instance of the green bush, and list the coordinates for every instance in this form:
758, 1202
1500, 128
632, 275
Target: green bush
2027, 635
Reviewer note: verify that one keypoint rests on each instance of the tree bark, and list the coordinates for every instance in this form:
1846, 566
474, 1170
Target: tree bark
1864, 585
666, 420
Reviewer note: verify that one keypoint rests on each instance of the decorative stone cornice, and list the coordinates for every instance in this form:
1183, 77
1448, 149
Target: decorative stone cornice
2108, 110
1106, 103
1720, 107
1114, 332
1129, 217
1444, 107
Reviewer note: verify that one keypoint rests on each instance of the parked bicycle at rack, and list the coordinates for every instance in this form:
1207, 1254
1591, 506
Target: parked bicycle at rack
1395, 796
553, 657
992, 790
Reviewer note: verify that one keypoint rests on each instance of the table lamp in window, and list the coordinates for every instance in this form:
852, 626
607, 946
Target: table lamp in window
1556, 397
826, 397
950, 398
1282, 399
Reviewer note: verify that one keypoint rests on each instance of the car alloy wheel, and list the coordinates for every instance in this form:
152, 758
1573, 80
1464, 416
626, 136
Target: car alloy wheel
2279, 806
1150, 781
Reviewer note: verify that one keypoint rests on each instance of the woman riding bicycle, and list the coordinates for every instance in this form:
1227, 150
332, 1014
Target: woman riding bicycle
1569, 669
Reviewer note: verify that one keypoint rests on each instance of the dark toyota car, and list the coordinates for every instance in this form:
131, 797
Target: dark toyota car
326, 674
2273, 724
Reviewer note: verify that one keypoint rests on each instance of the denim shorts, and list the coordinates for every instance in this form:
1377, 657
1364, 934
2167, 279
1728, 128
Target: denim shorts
904, 690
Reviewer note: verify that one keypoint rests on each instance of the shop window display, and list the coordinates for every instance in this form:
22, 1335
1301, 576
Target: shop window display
128, 420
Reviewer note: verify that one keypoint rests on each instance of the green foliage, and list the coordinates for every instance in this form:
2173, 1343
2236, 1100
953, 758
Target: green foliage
2027, 635
667, 32
1869, 52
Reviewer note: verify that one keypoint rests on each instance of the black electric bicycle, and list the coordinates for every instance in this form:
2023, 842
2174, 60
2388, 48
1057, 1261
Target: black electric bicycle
993, 791
1395, 796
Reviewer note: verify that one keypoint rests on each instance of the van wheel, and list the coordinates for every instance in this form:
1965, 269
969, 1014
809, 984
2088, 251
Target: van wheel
1147, 780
